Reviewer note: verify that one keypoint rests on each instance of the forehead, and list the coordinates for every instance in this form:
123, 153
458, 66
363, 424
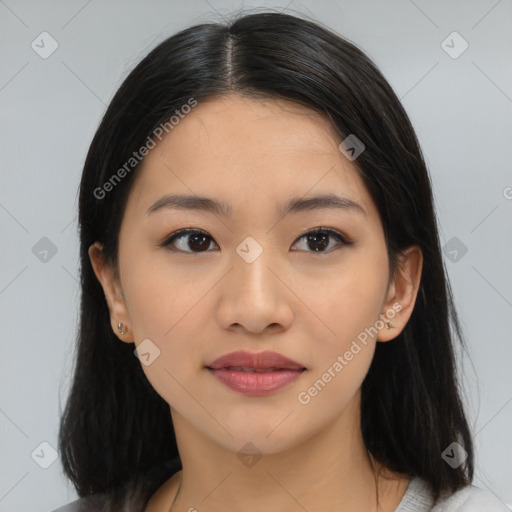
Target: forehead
246, 151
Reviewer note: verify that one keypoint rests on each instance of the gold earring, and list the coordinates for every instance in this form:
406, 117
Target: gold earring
120, 328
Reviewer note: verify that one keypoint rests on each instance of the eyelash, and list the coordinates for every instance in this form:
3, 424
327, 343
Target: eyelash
188, 231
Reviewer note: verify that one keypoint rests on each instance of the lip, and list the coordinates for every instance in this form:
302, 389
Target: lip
280, 372
257, 360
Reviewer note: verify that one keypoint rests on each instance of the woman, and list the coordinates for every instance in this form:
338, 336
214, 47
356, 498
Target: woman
265, 323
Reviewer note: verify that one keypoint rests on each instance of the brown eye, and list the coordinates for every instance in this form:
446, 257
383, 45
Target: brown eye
319, 239
189, 240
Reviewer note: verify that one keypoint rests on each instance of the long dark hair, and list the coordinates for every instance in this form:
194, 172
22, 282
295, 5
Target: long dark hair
116, 434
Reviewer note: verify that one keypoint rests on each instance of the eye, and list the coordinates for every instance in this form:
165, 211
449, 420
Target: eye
196, 241
319, 239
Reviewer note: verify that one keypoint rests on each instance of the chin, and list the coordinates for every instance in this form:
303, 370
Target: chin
256, 443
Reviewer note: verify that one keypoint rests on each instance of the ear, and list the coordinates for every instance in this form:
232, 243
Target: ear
402, 293
113, 293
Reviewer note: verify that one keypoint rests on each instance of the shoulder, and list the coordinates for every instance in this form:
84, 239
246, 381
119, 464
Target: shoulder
98, 502
471, 499
419, 498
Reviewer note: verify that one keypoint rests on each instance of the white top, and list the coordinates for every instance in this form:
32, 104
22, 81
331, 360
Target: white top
417, 498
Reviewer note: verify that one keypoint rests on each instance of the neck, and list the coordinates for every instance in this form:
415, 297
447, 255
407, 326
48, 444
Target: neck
329, 471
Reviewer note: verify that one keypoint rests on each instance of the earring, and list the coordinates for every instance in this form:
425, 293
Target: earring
389, 325
120, 328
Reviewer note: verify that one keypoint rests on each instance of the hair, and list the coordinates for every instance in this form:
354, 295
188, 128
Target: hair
116, 434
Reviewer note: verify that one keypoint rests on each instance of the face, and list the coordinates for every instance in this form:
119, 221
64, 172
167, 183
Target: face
255, 278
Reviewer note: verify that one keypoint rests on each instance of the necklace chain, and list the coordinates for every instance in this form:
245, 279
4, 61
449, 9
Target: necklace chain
177, 492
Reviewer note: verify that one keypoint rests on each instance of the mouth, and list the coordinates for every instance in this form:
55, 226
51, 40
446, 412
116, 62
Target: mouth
255, 370
255, 373
256, 382
243, 360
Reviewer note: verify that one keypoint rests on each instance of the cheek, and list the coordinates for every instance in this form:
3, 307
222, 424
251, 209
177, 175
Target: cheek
160, 294
164, 305
350, 300
350, 306
349, 303
341, 360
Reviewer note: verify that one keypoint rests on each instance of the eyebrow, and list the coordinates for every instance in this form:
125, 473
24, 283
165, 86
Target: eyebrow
294, 205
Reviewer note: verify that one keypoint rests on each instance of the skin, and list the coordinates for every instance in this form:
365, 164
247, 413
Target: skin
309, 306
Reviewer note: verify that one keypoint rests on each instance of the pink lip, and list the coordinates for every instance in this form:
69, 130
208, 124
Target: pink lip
227, 369
258, 360
253, 383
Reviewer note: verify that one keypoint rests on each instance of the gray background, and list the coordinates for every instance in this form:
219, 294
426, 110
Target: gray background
461, 108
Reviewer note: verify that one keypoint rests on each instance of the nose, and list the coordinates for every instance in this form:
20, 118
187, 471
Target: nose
255, 296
